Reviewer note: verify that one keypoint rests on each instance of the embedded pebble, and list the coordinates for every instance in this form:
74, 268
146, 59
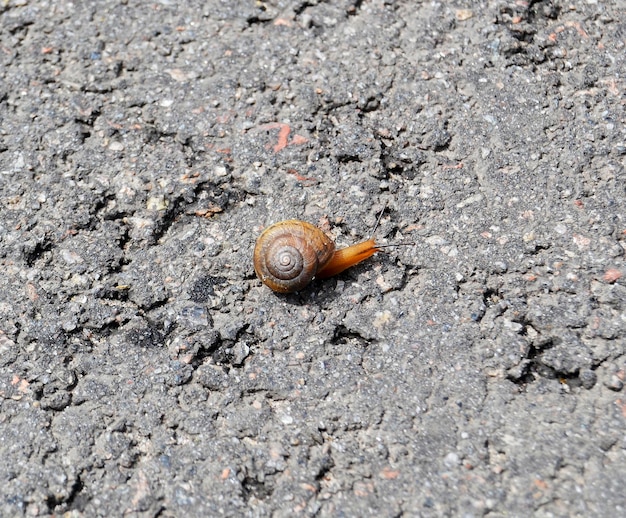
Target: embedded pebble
614, 383
240, 352
500, 267
588, 378
451, 460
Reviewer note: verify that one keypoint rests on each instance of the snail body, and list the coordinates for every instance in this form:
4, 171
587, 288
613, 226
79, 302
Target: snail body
288, 255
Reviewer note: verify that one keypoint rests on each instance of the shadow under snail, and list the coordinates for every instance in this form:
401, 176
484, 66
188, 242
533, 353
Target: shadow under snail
288, 255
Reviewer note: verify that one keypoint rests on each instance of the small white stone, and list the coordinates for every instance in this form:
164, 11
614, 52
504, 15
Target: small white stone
451, 459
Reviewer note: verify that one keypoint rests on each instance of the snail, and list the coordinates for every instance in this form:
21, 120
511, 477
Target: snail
288, 255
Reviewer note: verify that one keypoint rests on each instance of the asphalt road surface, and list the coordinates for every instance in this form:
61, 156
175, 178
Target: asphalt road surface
145, 371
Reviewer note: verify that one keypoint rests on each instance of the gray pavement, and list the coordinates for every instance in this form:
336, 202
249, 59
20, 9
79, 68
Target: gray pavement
144, 369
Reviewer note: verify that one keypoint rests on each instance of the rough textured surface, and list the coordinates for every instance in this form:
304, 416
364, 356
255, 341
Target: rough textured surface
145, 371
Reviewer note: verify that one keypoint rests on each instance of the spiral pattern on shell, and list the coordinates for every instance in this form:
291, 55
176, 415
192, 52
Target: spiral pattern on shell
288, 254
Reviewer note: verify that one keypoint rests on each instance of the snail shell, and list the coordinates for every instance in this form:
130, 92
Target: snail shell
288, 255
